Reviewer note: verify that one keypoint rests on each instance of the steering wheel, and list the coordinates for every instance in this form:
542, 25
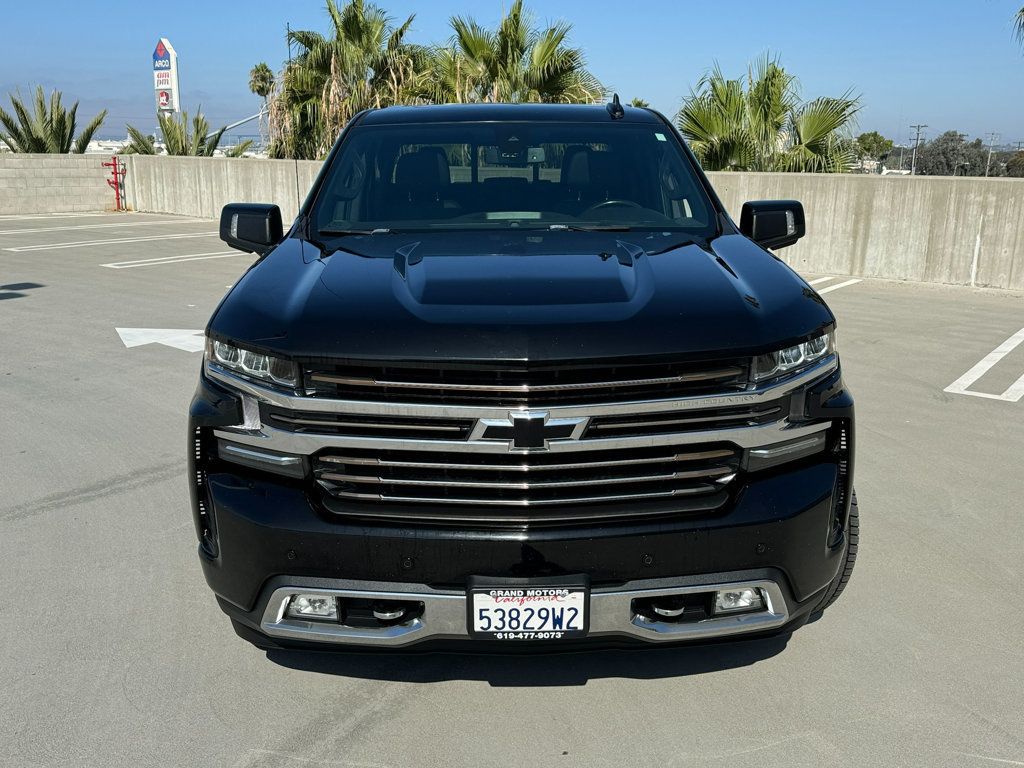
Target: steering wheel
610, 203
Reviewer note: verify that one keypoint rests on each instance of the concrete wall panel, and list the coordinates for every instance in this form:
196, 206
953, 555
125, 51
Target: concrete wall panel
944, 230
34, 184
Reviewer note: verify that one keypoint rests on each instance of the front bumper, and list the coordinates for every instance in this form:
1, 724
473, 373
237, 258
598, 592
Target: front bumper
442, 619
272, 542
262, 537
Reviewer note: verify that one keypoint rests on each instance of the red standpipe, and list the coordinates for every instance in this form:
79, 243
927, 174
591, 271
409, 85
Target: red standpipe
116, 180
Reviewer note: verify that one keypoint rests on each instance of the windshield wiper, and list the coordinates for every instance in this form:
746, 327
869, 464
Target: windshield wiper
693, 240
344, 232
592, 227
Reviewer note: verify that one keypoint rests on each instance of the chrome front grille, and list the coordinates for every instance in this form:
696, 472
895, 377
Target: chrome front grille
404, 453
524, 385
487, 480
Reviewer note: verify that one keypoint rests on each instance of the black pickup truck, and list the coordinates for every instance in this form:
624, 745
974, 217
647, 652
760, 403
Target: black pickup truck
515, 379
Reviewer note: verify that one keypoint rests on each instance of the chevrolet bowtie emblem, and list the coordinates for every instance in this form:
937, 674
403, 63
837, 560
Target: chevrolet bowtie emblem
528, 430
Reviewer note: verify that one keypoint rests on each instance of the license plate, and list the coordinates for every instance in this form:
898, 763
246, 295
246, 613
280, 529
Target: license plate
528, 612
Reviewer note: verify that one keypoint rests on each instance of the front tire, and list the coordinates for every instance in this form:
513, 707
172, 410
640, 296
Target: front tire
835, 589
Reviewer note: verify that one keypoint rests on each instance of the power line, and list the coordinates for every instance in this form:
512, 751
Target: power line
917, 143
992, 139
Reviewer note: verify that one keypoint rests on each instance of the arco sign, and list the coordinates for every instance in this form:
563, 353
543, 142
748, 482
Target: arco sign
165, 77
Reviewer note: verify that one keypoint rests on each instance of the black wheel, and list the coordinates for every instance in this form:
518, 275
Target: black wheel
835, 589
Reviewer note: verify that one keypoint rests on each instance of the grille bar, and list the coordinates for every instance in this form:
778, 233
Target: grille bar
681, 421
713, 472
381, 426
524, 466
530, 388
486, 501
308, 422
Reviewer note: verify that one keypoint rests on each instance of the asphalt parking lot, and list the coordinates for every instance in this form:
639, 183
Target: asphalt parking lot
115, 654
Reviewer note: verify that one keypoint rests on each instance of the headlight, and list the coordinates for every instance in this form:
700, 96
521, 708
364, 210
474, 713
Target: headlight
794, 358
252, 365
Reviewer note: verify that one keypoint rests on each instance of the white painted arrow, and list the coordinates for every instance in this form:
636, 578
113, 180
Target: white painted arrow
179, 338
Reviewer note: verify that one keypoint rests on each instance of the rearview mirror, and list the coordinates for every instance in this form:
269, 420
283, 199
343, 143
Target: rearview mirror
251, 227
773, 223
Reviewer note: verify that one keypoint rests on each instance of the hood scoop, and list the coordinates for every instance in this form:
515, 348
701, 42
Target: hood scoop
516, 281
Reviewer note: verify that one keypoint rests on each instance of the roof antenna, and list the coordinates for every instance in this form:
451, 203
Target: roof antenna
615, 108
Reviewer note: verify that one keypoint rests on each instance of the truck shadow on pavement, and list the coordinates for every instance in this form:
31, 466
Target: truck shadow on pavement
535, 670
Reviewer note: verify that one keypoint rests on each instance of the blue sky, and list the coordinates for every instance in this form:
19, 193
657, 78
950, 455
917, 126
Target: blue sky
952, 65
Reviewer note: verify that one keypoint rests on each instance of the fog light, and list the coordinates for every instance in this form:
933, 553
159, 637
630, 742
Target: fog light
736, 600
313, 607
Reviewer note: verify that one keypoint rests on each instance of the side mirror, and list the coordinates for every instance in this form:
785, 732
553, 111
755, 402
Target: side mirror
773, 223
251, 227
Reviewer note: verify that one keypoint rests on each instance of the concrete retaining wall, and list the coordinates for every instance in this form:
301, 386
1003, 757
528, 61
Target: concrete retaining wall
201, 186
945, 230
54, 184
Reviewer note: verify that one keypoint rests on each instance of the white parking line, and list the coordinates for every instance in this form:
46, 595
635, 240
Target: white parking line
838, 286
37, 216
170, 259
820, 280
101, 226
84, 243
1011, 395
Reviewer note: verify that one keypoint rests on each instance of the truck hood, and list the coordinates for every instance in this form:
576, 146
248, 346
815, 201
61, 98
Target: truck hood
546, 296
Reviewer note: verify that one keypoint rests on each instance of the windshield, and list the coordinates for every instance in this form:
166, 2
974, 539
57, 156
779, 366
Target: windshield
537, 175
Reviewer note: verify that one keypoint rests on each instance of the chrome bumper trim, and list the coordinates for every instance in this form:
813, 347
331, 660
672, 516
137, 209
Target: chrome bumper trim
284, 441
444, 614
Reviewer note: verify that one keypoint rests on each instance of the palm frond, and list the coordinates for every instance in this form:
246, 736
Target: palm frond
82, 142
239, 149
760, 124
138, 142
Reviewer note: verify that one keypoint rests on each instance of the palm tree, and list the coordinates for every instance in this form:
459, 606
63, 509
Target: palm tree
761, 124
261, 83
636, 101
179, 137
516, 62
364, 62
48, 129
1018, 24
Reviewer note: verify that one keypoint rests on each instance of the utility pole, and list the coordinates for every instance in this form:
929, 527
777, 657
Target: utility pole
917, 143
992, 139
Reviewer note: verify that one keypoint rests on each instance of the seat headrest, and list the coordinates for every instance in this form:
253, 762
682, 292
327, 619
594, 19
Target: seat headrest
587, 168
426, 167
573, 156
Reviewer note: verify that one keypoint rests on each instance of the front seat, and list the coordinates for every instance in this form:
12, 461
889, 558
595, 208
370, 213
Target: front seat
422, 184
591, 177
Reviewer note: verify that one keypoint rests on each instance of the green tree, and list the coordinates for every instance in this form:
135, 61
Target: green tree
261, 83
179, 137
1018, 24
363, 62
47, 128
760, 123
1015, 166
638, 102
950, 154
516, 62
874, 146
